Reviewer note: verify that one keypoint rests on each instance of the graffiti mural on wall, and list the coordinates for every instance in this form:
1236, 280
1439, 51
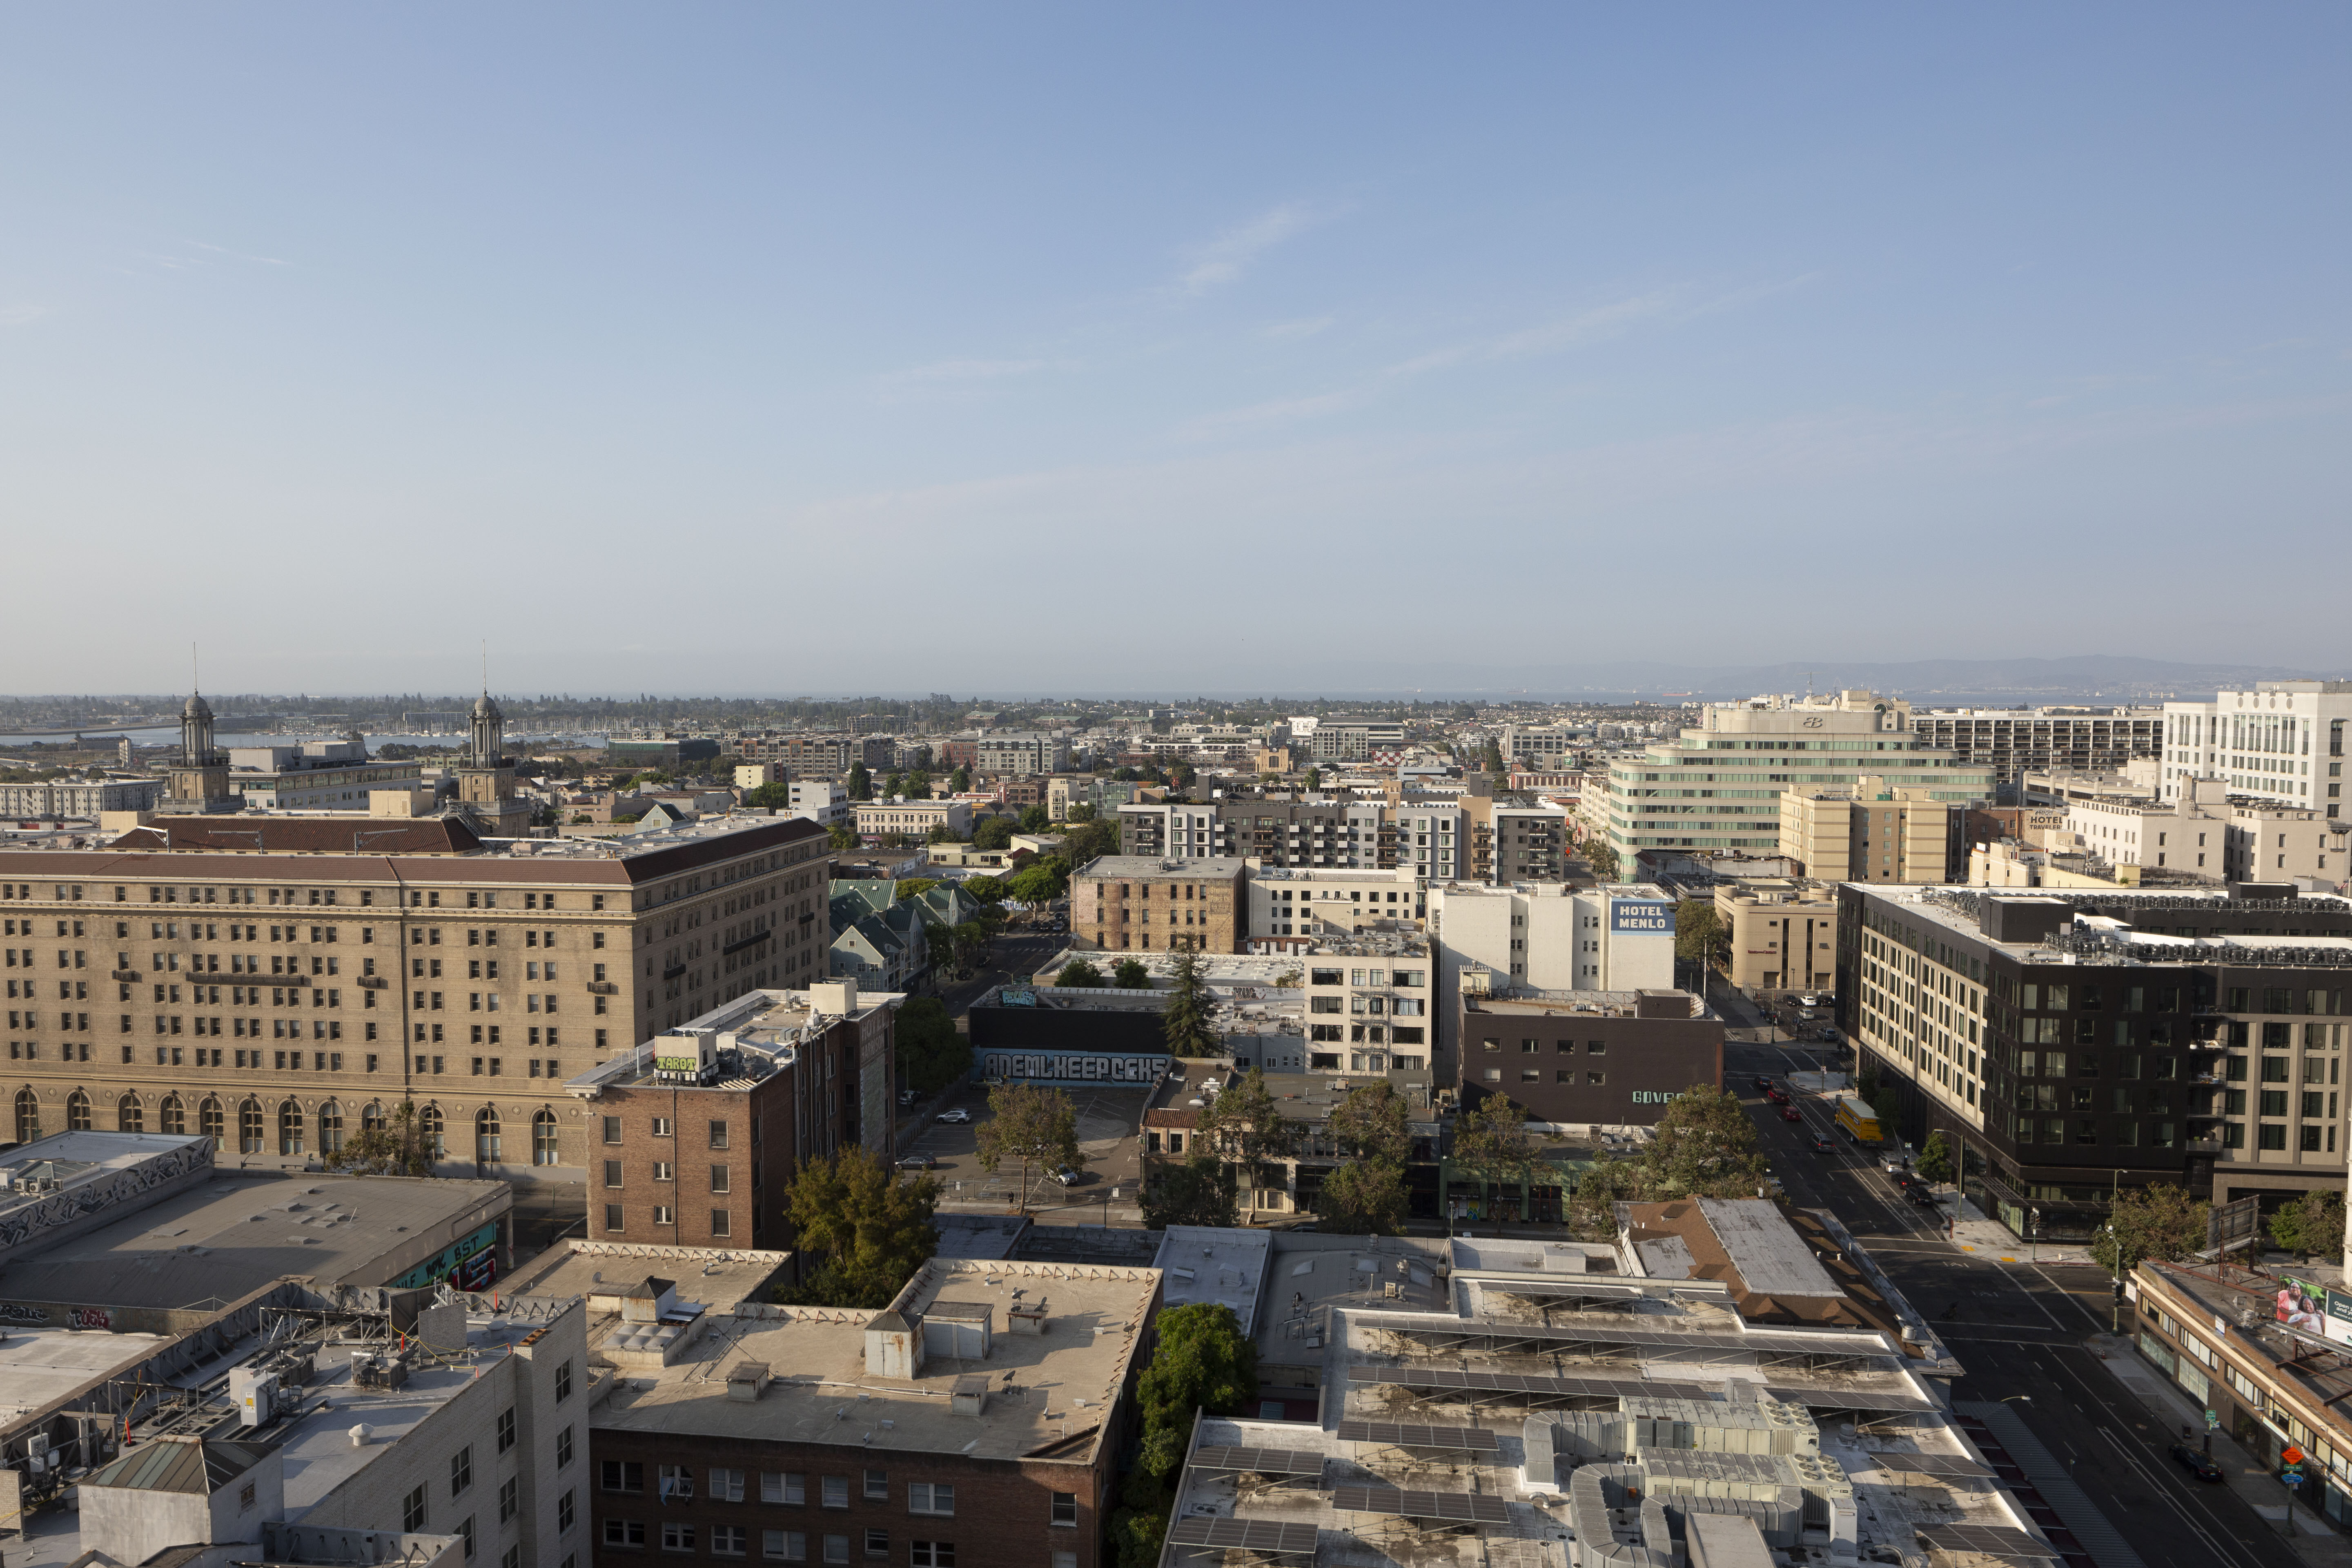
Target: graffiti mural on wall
471, 1263
28, 1221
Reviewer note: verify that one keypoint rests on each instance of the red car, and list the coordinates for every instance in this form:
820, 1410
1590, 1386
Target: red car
1790, 1114
1777, 1096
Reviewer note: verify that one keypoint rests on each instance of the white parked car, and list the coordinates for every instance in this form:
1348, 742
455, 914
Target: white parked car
958, 1114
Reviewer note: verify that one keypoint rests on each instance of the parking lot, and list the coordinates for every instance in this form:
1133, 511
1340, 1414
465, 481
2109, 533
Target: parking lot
1106, 1123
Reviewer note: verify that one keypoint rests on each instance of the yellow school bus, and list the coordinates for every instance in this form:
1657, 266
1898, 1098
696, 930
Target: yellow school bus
1853, 1114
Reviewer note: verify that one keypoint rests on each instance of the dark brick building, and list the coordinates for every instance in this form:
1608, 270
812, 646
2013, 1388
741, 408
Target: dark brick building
694, 1134
1607, 1058
978, 1420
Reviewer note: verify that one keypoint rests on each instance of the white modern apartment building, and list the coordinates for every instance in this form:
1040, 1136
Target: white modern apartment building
823, 802
1544, 746
1550, 936
1019, 754
2282, 741
2014, 740
1719, 787
55, 798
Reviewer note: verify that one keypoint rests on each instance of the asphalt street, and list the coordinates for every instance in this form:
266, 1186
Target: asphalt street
2023, 1331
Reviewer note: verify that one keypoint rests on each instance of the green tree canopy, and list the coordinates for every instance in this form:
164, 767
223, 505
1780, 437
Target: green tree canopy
1200, 1191
960, 780
1313, 780
1034, 819
841, 836
1081, 813
1703, 1146
993, 833
1364, 1197
1031, 1125
987, 889
2312, 1222
914, 888
770, 798
872, 1229
894, 786
1204, 1363
394, 1149
1040, 882
1089, 841
919, 785
1080, 973
1491, 1143
1129, 975
1935, 1161
932, 1054
861, 783
1372, 1121
1699, 934
1245, 1122
2160, 1221
1184, 1023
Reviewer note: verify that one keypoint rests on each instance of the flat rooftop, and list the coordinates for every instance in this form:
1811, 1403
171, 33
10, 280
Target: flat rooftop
1207, 1263
1598, 1004
213, 1244
754, 1036
39, 1365
577, 1266
1049, 1393
1152, 868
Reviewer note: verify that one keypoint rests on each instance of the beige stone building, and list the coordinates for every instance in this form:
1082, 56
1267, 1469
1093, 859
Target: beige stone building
912, 819
1783, 933
1873, 831
279, 983
1136, 903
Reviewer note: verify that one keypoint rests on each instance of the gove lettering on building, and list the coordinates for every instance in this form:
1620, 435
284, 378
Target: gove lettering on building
1635, 916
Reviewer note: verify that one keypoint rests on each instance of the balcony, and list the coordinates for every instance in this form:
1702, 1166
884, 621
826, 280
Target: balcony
124, 974
673, 972
372, 982
602, 988
2201, 1146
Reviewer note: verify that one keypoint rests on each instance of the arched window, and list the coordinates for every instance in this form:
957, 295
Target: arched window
77, 1112
331, 1128
429, 1129
249, 1128
129, 1116
174, 1116
212, 1123
372, 1117
485, 1135
542, 1137
28, 1116
289, 1128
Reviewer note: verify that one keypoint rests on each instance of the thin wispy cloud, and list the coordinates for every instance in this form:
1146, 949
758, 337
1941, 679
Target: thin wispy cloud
1224, 258
19, 315
1560, 335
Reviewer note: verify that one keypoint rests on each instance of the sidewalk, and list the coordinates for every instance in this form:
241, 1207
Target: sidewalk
2316, 1542
1972, 1232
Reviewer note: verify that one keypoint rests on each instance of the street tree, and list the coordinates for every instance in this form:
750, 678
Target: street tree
841, 836
1372, 1121
931, 1053
1034, 819
1492, 1144
1935, 1161
919, 785
861, 783
993, 833
1080, 973
1366, 1196
987, 889
1200, 1191
1703, 1145
1185, 1021
2312, 1222
1041, 881
1313, 780
872, 1229
2160, 1222
914, 888
1031, 1125
394, 1149
770, 798
1245, 1124
960, 780
1699, 934
1129, 975
1082, 813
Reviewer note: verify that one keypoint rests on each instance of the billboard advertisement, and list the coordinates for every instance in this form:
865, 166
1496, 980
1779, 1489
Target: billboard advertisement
2313, 1307
1637, 917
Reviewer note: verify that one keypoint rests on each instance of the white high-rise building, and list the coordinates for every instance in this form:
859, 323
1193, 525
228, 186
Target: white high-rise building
2284, 741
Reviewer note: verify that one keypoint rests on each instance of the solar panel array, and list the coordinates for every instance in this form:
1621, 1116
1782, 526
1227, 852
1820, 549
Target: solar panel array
1464, 1439
1513, 1382
1848, 1398
1462, 1507
1244, 1534
1264, 1461
1995, 1539
1931, 1464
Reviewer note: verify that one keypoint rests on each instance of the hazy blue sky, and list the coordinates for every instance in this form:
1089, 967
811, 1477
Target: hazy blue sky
797, 349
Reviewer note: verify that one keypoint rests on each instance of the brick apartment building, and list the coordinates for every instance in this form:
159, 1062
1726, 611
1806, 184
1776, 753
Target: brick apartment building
698, 1130
1601, 1058
977, 1420
280, 983
1121, 903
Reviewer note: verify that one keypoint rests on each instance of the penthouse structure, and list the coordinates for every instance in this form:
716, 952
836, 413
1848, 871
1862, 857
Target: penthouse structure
982, 1412
278, 983
1703, 1392
2072, 1041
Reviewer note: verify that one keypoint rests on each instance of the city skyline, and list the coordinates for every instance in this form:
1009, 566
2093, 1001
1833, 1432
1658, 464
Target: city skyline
1909, 336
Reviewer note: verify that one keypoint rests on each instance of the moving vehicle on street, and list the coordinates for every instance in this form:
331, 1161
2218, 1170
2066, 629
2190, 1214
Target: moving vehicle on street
2196, 1461
919, 1163
1763, 1083
1826, 1145
1068, 1176
1858, 1121
958, 1114
1790, 1114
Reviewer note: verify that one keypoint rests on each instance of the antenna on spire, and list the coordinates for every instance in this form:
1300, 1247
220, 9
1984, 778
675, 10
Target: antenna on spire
195, 669
485, 666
